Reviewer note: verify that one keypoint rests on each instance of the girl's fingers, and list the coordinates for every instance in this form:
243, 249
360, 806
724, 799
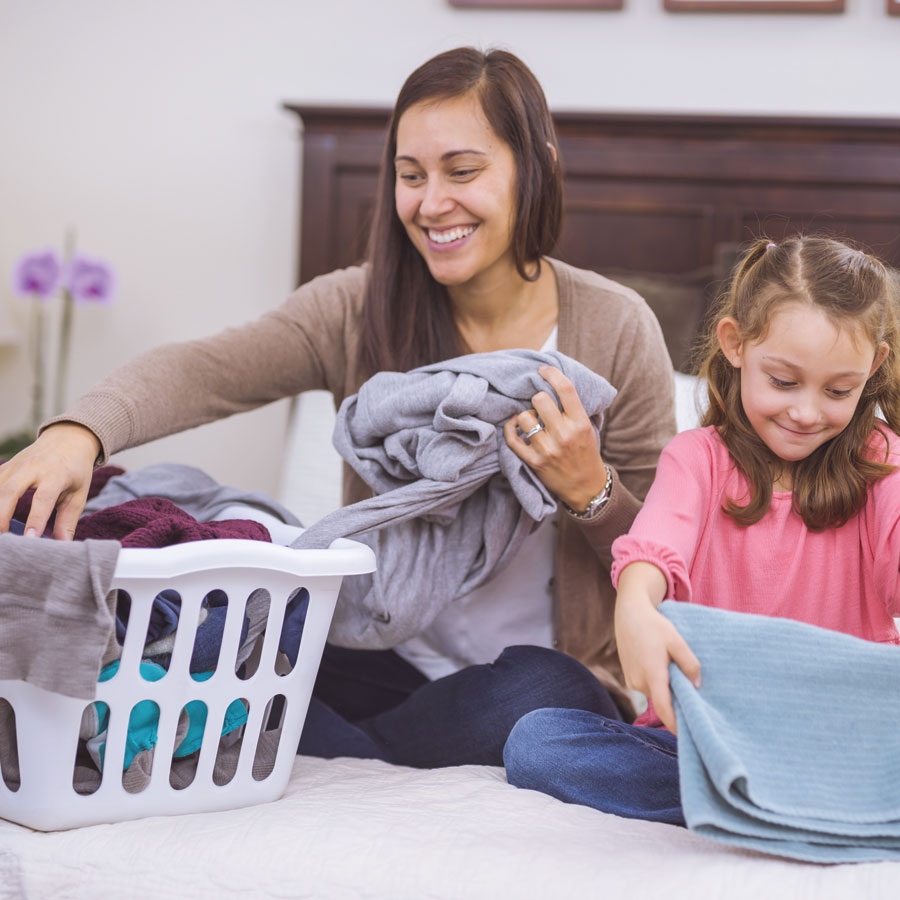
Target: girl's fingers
685, 660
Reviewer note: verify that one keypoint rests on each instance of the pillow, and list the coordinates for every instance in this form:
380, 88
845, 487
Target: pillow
678, 301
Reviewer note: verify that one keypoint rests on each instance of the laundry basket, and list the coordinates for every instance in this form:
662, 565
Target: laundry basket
47, 724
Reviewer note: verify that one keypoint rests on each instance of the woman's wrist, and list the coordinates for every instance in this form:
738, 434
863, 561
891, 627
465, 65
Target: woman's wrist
588, 504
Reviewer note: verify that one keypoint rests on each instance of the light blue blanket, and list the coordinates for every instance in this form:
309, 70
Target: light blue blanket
792, 744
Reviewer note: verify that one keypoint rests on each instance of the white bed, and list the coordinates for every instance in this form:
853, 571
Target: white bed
366, 829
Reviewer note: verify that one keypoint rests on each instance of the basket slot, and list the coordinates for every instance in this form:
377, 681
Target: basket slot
9, 746
269, 737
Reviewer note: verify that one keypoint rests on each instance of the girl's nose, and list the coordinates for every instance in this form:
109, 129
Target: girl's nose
804, 412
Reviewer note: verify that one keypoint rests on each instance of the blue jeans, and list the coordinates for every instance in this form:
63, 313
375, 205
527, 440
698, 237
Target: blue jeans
580, 757
374, 705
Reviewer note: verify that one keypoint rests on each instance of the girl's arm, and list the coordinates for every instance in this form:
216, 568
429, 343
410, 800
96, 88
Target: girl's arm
648, 641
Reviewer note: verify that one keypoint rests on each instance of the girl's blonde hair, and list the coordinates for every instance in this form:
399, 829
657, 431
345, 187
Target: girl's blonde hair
854, 290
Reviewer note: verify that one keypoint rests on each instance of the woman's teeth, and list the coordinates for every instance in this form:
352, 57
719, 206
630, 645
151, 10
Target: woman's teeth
454, 234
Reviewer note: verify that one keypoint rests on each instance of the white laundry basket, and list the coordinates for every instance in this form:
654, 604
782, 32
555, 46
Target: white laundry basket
47, 724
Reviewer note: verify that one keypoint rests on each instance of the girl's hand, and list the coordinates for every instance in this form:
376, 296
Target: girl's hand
647, 640
564, 453
58, 465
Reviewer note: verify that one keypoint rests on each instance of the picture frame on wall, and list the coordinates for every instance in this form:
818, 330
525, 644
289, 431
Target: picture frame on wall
538, 4
893, 7
787, 6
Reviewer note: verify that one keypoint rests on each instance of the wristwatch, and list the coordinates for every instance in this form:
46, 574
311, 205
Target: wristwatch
596, 503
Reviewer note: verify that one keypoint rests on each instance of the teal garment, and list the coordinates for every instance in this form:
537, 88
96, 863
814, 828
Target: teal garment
791, 744
144, 719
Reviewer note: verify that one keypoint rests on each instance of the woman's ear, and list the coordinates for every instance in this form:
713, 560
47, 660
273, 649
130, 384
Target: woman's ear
553, 152
881, 355
730, 340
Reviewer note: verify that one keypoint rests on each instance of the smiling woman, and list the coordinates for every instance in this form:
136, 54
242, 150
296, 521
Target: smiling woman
468, 210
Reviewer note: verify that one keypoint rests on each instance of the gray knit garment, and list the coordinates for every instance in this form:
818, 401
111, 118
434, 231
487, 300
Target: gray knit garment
452, 502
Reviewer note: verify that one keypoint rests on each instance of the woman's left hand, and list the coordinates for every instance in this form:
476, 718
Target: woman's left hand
564, 453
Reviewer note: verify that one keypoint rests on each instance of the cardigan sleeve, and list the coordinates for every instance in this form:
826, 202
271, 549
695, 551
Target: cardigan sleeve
302, 345
640, 421
667, 529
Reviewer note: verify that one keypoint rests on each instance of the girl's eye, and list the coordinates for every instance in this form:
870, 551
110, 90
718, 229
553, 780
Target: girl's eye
781, 385
840, 394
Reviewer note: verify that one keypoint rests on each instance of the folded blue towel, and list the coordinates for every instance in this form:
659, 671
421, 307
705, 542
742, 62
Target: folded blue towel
792, 744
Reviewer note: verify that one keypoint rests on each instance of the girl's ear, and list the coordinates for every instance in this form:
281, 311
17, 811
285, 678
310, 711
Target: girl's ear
730, 340
881, 355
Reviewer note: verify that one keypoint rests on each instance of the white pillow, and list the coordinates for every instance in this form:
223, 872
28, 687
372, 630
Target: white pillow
690, 400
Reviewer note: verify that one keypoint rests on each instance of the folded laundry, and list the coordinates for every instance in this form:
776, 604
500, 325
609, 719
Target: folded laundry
144, 720
791, 744
157, 522
189, 488
430, 444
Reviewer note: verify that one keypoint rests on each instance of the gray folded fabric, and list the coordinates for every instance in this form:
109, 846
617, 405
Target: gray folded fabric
792, 745
189, 488
57, 612
458, 501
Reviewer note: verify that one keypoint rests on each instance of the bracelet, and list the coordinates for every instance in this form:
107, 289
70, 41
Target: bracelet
596, 503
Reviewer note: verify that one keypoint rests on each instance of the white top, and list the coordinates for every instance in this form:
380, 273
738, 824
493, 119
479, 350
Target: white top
513, 607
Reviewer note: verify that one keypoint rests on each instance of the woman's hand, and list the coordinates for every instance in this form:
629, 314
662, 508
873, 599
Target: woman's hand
564, 453
58, 465
647, 640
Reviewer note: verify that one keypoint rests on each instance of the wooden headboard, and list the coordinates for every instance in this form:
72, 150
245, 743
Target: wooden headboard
660, 202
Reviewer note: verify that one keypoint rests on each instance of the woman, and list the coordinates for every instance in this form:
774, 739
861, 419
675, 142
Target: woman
469, 204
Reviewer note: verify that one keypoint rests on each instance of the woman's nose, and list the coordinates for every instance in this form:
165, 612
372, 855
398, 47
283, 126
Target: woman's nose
436, 200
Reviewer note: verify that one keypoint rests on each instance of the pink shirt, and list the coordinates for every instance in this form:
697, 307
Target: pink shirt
845, 579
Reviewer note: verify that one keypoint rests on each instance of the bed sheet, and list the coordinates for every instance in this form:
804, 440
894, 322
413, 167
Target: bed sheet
366, 829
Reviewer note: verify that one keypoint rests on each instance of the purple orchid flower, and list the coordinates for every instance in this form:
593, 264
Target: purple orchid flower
90, 280
37, 274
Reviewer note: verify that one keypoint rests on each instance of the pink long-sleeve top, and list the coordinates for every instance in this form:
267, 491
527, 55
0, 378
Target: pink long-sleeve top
845, 579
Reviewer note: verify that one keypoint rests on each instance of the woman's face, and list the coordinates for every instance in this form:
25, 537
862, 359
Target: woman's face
455, 190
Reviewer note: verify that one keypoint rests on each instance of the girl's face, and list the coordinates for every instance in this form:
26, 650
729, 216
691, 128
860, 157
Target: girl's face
455, 190
801, 383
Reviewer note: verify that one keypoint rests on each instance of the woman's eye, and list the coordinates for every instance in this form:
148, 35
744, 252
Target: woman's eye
464, 173
782, 385
409, 177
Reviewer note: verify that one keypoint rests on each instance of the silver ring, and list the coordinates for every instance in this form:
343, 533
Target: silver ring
533, 431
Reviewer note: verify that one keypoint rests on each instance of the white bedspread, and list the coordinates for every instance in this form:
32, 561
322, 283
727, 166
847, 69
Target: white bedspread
365, 829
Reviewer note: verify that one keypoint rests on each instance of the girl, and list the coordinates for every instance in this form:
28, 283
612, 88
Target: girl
785, 503
468, 207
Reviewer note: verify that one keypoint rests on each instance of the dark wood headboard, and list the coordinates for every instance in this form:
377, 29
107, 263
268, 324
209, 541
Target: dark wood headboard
654, 195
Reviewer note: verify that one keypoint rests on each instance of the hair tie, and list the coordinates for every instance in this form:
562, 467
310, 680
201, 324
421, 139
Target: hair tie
770, 246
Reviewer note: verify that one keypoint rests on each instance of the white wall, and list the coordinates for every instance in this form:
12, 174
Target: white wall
154, 128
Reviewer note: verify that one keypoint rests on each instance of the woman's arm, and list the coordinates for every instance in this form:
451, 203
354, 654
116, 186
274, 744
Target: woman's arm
307, 343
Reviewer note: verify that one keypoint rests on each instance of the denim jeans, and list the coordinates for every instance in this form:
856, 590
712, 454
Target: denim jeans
375, 705
581, 757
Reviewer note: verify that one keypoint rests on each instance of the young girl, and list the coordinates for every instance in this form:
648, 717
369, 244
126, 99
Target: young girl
785, 503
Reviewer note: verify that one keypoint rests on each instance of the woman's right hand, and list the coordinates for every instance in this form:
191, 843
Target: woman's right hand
648, 641
59, 466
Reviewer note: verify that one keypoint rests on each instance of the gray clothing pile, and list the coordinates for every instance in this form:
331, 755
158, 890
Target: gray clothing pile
57, 611
452, 502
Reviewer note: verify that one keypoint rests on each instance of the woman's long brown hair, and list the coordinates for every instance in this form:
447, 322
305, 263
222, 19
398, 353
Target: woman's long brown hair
854, 290
407, 317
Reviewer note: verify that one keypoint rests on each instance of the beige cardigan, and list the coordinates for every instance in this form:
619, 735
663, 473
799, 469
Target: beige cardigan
310, 342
